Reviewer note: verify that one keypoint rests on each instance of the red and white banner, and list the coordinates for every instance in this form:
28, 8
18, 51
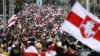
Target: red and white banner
11, 21
84, 26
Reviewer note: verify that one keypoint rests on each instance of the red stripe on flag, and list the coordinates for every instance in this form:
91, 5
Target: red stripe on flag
97, 35
74, 19
10, 22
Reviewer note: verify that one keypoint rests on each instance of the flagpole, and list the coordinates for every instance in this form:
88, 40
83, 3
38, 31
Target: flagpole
88, 5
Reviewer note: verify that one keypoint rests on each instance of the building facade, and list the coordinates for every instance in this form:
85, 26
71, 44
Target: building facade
13, 6
93, 4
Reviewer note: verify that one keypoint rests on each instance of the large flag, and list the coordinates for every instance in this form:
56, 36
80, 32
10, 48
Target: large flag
84, 26
11, 21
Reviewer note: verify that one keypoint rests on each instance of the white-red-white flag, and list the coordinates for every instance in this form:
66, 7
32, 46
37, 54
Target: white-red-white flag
31, 51
84, 26
11, 21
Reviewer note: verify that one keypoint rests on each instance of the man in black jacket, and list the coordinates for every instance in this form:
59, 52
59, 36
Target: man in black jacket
16, 51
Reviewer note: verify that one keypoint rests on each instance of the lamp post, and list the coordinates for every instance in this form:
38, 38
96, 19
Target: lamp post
4, 11
11, 7
88, 5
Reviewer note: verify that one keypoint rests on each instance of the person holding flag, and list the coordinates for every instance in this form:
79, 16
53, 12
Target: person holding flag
11, 21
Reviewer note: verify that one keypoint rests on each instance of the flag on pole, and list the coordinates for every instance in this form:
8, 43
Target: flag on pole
11, 21
84, 26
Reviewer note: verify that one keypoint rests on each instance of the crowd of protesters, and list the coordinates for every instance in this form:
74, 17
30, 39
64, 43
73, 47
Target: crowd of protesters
37, 33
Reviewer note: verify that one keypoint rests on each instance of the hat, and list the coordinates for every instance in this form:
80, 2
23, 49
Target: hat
31, 43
